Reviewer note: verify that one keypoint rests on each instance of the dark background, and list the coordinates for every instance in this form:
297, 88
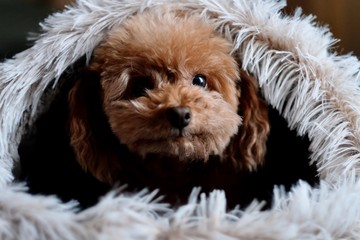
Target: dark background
342, 17
20, 17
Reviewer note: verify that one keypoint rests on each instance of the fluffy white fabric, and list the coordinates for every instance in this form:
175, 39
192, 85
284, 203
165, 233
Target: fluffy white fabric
315, 90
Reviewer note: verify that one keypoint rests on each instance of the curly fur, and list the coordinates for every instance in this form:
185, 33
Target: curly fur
110, 125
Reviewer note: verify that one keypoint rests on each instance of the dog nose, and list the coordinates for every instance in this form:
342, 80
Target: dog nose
179, 117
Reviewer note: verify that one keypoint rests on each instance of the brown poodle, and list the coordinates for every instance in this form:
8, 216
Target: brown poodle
164, 105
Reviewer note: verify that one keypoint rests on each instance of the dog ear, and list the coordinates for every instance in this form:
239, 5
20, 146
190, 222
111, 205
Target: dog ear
247, 149
90, 135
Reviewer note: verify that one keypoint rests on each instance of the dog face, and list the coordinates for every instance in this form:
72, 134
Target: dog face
168, 86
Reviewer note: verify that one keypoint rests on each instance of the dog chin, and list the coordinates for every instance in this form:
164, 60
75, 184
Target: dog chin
181, 148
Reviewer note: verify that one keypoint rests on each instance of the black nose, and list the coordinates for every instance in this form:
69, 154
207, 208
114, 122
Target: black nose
179, 117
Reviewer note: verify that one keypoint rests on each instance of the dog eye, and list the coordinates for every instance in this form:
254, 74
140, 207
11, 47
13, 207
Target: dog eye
140, 85
199, 80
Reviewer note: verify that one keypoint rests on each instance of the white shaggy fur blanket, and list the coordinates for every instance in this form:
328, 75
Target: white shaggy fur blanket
314, 89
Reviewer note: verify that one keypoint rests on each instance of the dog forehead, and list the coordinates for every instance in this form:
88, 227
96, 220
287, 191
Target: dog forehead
165, 38
175, 49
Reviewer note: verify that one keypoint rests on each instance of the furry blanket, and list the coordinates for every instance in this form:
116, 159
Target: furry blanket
314, 89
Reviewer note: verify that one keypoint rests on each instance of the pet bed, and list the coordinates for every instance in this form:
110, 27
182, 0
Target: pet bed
313, 88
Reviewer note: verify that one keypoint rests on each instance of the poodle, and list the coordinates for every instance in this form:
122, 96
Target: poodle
163, 104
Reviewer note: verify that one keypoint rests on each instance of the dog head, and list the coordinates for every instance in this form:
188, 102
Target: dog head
167, 85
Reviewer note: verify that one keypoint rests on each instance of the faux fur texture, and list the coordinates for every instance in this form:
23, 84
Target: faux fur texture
314, 89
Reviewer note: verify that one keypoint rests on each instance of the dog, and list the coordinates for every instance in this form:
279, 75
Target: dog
164, 105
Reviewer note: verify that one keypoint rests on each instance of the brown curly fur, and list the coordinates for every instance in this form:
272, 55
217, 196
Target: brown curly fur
117, 135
